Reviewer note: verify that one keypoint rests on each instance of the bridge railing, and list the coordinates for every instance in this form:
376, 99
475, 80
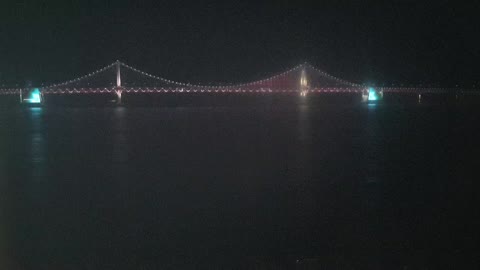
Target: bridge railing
11, 91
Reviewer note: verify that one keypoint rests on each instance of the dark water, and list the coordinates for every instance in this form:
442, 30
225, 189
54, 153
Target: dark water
334, 187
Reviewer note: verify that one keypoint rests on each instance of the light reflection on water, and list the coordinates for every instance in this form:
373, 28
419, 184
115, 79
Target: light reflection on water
38, 148
161, 182
119, 140
302, 167
5, 245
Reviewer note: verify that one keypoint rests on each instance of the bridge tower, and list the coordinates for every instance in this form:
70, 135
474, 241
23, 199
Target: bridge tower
303, 83
118, 89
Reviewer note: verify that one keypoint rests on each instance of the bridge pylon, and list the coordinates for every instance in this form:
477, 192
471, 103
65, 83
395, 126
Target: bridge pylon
118, 88
303, 83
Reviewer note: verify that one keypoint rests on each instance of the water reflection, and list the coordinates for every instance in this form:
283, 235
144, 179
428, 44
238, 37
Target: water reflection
119, 140
4, 245
23, 193
37, 150
303, 145
372, 143
302, 171
372, 186
98, 191
304, 125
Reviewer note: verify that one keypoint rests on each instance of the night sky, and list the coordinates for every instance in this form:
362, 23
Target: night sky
406, 42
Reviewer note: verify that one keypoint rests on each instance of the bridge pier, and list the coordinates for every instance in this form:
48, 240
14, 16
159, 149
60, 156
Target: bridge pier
42, 99
365, 95
118, 92
21, 96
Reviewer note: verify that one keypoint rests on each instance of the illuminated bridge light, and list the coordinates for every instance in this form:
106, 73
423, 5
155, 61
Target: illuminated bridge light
372, 94
35, 96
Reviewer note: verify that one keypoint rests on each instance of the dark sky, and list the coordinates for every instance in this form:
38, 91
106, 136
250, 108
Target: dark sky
381, 42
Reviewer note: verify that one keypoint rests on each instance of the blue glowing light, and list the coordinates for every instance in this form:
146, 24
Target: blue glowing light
372, 94
35, 96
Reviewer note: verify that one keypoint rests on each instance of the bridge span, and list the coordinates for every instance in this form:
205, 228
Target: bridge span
119, 78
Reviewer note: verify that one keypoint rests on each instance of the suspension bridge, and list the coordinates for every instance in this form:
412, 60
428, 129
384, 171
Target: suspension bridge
119, 78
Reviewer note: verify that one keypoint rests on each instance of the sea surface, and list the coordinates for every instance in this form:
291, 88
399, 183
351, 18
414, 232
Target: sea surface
344, 186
